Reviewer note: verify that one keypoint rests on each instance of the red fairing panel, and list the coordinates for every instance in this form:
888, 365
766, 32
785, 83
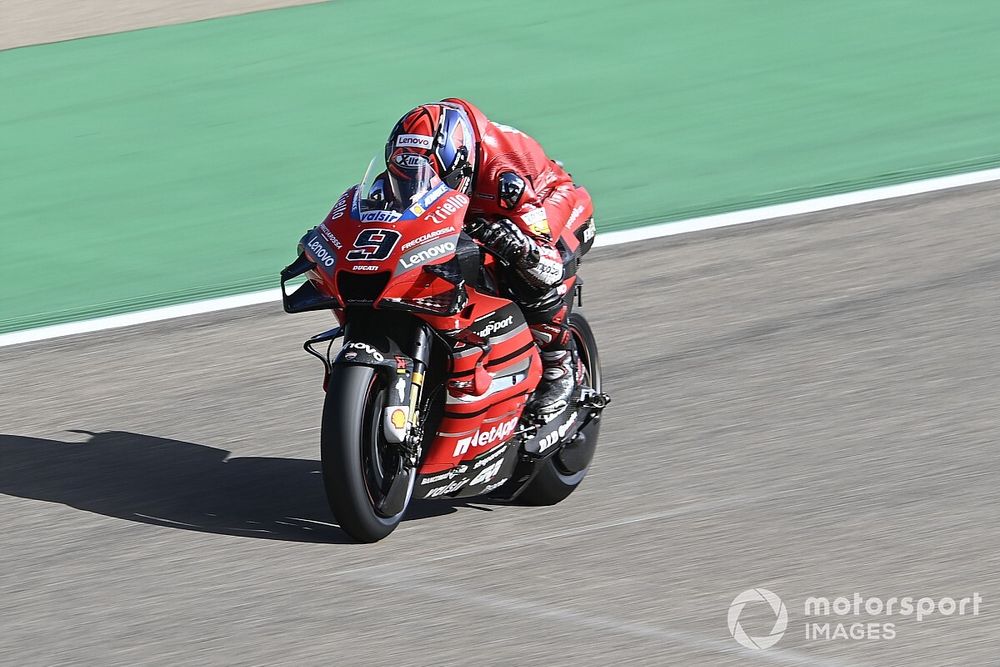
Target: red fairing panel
477, 418
486, 388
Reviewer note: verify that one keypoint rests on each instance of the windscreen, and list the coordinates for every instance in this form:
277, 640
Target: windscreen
408, 178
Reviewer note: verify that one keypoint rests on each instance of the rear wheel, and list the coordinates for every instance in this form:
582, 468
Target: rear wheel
561, 473
367, 482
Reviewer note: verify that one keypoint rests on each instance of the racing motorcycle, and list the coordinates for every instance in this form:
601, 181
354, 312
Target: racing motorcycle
426, 396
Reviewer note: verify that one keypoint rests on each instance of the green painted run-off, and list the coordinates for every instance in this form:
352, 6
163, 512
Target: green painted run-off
177, 163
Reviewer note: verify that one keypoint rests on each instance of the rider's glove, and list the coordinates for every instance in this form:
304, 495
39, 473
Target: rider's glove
540, 266
505, 240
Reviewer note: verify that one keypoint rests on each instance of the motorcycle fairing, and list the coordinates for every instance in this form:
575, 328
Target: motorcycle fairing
481, 474
494, 363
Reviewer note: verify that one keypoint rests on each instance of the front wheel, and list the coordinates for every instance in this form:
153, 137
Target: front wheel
561, 473
364, 475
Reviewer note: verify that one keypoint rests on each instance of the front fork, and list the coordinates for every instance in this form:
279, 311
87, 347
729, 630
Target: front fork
404, 372
401, 418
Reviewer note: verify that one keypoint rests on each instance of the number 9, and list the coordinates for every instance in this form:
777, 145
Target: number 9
373, 245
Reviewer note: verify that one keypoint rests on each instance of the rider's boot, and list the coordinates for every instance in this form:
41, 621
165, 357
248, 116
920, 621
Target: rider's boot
558, 381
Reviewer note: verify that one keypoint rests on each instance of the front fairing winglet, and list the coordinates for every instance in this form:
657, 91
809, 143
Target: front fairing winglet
306, 297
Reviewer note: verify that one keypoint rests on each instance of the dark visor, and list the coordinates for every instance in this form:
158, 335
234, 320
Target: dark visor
410, 177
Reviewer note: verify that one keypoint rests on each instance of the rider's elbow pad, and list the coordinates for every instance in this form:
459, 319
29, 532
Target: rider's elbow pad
547, 271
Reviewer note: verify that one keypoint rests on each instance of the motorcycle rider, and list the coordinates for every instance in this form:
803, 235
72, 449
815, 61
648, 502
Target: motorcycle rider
517, 196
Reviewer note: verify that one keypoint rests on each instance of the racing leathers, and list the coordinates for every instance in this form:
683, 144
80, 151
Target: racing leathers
520, 202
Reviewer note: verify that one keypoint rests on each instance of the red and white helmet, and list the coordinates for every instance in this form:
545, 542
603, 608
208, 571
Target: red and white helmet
439, 136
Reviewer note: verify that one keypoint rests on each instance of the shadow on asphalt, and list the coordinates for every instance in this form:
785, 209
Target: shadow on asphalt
181, 485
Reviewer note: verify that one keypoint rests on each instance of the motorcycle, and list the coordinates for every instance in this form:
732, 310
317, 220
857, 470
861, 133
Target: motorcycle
426, 397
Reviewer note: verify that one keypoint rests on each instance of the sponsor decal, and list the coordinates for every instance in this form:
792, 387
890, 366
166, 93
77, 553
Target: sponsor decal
485, 438
410, 160
448, 488
424, 238
426, 254
429, 198
541, 228
331, 239
364, 267
577, 210
487, 474
486, 459
320, 252
380, 216
495, 485
438, 478
537, 221
453, 204
589, 231
398, 418
376, 355
414, 141
341, 206
374, 244
493, 328
558, 434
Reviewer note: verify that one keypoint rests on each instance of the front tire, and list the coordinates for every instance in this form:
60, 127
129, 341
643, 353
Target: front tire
556, 478
358, 464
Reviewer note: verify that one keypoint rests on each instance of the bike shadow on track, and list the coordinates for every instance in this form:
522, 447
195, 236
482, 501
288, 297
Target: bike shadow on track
182, 485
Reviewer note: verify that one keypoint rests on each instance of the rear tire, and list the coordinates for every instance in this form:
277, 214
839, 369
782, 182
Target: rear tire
357, 462
554, 483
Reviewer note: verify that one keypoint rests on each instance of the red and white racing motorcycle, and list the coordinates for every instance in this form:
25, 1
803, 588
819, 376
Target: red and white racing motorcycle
425, 399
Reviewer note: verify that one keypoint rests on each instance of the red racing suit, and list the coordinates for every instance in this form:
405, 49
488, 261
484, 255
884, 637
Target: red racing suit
515, 179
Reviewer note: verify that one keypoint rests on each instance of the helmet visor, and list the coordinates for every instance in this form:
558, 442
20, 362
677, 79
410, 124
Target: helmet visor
410, 177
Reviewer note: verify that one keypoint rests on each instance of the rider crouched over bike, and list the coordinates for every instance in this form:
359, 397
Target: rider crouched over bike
518, 196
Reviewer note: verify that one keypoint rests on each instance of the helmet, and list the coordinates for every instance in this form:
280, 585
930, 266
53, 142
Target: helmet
435, 138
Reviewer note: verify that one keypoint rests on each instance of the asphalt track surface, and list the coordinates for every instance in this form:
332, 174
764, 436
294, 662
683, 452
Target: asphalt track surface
28, 22
807, 405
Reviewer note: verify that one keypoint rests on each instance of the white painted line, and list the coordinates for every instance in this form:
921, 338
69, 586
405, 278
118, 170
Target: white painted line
410, 574
603, 239
795, 208
411, 579
141, 317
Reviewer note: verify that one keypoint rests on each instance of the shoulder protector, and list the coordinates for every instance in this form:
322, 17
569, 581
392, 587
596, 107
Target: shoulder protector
510, 189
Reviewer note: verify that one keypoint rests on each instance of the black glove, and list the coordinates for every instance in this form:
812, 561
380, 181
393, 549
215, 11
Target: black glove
505, 240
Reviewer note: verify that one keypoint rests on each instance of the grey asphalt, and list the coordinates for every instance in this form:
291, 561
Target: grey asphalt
808, 405
27, 22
